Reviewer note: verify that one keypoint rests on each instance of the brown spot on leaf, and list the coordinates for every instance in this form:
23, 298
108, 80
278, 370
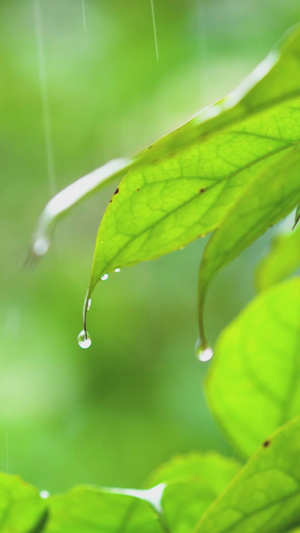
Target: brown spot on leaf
266, 443
117, 190
138, 190
202, 191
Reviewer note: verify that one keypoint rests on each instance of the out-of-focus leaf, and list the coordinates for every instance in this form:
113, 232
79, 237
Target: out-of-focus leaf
265, 496
92, 510
193, 482
297, 216
254, 382
282, 260
21, 508
270, 197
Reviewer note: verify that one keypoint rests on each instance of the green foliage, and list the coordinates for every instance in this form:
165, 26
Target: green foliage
21, 508
257, 361
234, 170
265, 496
282, 261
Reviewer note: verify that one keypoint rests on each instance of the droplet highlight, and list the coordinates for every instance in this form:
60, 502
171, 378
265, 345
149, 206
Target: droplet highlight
41, 246
204, 353
104, 277
117, 270
89, 303
84, 340
44, 494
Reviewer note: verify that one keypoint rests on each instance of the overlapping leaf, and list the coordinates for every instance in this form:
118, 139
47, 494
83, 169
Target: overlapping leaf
254, 382
186, 184
21, 508
282, 260
269, 198
193, 482
265, 496
195, 175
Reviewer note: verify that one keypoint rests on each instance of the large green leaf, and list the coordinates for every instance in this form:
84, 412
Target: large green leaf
281, 261
21, 508
265, 496
200, 170
193, 482
92, 510
269, 198
254, 382
186, 183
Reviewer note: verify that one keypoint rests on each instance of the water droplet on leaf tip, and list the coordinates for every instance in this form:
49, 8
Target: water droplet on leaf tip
41, 246
104, 277
84, 340
89, 303
44, 494
117, 270
204, 353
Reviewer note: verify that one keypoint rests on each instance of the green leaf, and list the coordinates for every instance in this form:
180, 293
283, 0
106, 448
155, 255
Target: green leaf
192, 483
265, 496
186, 183
201, 169
21, 508
281, 262
269, 198
297, 216
254, 381
92, 510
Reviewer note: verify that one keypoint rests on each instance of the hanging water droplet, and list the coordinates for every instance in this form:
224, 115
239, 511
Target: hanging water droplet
84, 340
44, 494
104, 277
89, 303
117, 270
204, 353
41, 246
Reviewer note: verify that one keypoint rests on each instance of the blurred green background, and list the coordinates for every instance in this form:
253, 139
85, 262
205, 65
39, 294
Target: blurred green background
111, 414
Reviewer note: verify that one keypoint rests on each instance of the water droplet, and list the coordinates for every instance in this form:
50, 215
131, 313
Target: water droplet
104, 277
117, 270
84, 340
89, 303
44, 494
41, 246
204, 353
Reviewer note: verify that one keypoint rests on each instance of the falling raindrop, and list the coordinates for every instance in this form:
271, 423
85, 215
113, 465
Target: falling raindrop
104, 277
204, 353
154, 30
83, 14
84, 340
117, 270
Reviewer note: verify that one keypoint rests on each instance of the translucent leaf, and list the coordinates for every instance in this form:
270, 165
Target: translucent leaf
282, 260
21, 508
265, 496
193, 482
254, 381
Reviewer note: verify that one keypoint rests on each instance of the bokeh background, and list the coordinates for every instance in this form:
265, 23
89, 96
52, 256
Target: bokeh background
86, 76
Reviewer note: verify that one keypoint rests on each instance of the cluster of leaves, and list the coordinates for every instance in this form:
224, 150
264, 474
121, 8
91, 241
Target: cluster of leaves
233, 169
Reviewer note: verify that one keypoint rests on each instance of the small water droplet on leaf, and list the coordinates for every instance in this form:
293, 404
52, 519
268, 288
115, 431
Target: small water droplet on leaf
104, 277
117, 270
84, 340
